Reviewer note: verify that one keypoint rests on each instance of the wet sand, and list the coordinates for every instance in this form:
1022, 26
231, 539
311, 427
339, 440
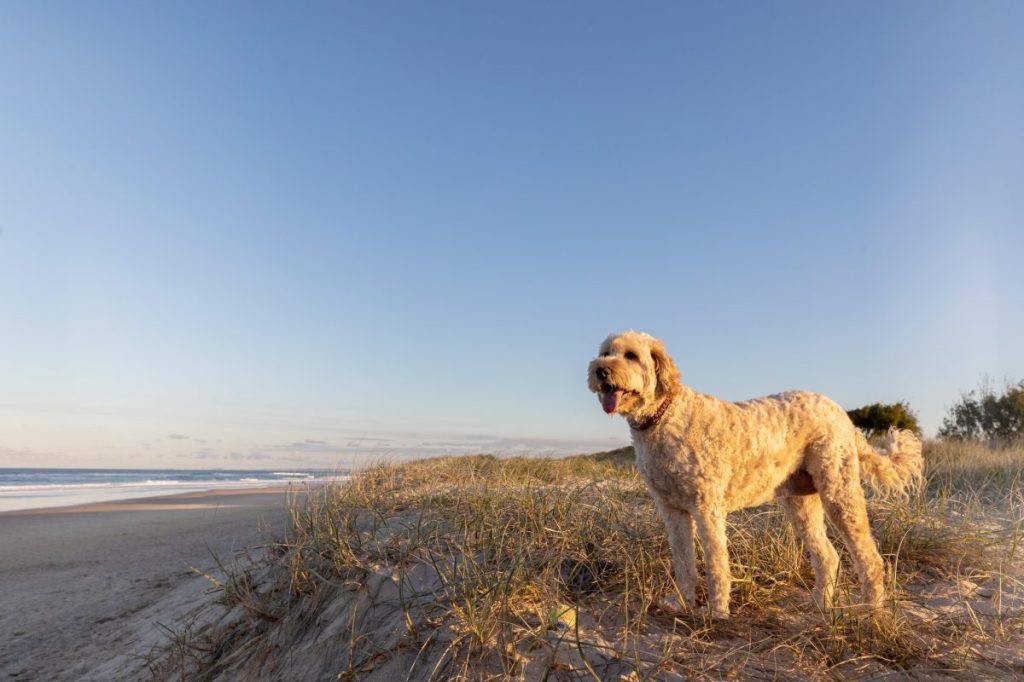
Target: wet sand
87, 592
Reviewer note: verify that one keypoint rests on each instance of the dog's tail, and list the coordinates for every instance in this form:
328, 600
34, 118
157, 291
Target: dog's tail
897, 468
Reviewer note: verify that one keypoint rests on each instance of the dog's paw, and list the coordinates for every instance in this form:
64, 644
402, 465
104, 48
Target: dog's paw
672, 605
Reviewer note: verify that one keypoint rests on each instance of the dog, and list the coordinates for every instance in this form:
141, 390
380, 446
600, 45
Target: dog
702, 457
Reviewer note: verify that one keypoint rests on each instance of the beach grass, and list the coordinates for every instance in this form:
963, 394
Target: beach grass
482, 568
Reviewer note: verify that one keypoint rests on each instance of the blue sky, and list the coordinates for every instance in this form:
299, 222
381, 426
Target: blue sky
258, 235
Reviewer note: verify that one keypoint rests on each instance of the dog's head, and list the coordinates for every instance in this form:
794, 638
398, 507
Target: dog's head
632, 374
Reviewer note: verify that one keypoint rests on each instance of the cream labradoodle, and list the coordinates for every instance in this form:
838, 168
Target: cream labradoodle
703, 457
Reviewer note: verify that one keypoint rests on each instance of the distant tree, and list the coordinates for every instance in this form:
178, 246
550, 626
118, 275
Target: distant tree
879, 418
983, 414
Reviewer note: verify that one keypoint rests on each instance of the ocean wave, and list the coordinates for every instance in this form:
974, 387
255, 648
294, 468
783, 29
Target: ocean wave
70, 487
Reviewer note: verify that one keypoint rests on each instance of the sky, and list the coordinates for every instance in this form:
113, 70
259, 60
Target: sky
253, 235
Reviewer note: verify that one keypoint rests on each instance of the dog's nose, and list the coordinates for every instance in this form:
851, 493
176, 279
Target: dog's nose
601, 373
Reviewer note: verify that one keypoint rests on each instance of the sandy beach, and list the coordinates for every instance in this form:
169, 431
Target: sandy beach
86, 592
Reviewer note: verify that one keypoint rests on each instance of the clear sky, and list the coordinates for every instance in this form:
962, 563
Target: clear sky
258, 235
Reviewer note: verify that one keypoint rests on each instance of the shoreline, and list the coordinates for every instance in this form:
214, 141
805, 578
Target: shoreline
91, 590
117, 498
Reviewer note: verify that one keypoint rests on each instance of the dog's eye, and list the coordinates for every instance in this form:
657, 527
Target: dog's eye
630, 355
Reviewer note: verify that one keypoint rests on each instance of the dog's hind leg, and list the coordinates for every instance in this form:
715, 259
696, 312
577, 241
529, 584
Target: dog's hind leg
843, 498
679, 525
808, 518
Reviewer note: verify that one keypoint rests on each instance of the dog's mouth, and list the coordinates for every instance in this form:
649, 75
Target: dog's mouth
611, 398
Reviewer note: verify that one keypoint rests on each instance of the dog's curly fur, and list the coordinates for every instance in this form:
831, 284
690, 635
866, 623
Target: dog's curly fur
703, 457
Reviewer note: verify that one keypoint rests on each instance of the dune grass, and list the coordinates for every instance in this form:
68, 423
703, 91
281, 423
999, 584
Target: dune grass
485, 569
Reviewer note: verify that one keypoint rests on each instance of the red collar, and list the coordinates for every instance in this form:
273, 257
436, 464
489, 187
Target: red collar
653, 419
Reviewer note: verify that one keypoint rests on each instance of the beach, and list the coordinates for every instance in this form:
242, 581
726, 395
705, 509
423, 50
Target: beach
88, 591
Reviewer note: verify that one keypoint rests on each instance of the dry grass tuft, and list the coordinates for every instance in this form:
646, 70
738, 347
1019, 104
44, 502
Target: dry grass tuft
486, 568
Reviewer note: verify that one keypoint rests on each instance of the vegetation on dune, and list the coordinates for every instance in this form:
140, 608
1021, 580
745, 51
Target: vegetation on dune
981, 415
877, 418
984, 414
486, 568
482, 568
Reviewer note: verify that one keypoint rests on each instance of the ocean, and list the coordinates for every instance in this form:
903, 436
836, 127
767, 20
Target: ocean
38, 488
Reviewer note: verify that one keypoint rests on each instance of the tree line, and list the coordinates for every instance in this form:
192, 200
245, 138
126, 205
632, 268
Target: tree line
984, 414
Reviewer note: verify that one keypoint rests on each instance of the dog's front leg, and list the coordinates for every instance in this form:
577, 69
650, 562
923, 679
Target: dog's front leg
679, 525
710, 520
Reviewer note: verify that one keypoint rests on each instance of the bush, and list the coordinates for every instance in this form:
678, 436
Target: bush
879, 418
983, 414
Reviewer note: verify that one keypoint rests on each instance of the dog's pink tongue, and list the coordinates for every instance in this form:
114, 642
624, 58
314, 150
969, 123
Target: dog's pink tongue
610, 401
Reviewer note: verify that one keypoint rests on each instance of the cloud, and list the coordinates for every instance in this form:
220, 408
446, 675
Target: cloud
12, 454
308, 445
445, 444
507, 445
377, 444
253, 455
347, 449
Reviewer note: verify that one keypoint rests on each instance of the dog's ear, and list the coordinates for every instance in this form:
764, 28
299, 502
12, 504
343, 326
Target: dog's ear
664, 369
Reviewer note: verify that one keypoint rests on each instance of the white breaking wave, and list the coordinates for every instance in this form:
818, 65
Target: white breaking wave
70, 487
22, 489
